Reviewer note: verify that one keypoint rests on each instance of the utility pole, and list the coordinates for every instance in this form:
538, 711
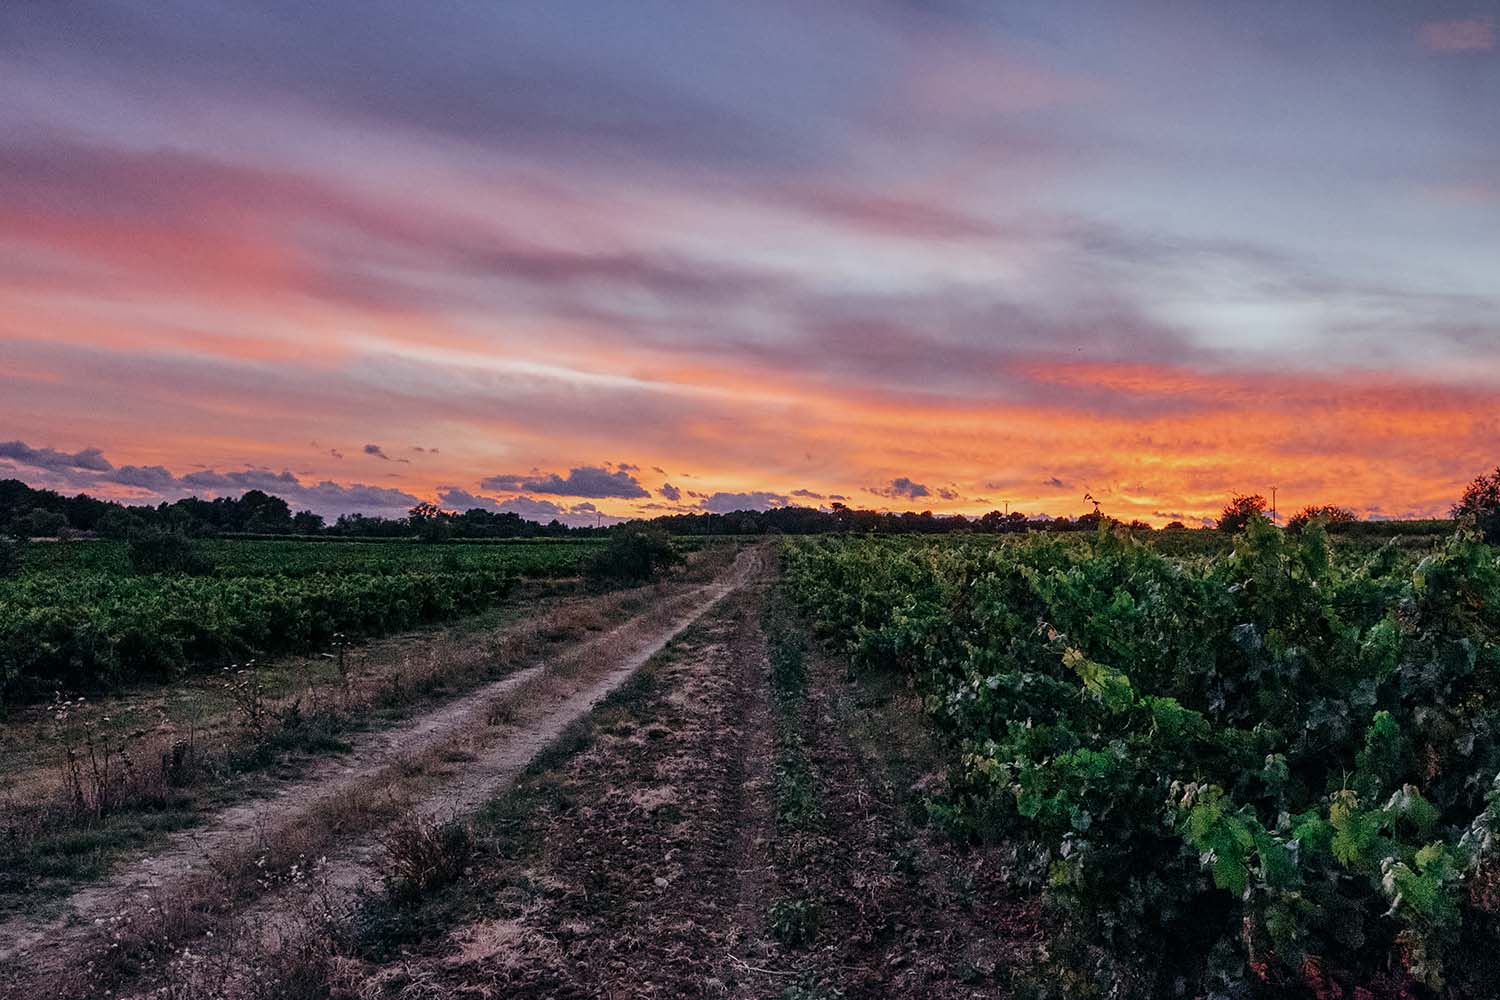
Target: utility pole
1273, 505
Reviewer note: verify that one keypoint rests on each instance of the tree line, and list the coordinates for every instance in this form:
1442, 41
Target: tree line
40, 513
29, 512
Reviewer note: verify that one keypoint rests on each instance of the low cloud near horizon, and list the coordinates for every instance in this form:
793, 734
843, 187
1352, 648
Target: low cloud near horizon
88, 470
586, 481
577, 515
902, 488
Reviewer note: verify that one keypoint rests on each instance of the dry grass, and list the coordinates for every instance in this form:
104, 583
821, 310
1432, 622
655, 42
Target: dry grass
421, 856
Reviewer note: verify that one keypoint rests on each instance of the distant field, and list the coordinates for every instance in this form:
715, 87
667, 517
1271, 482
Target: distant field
1355, 535
257, 557
79, 617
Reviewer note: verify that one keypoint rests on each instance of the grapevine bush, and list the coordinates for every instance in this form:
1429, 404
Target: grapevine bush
86, 615
1272, 772
98, 630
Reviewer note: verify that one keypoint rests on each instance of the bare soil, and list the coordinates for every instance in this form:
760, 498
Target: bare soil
639, 866
905, 912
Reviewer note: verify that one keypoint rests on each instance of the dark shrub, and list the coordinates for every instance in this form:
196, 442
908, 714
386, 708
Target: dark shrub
1481, 500
632, 556
43, 523
153, 550
1327, 513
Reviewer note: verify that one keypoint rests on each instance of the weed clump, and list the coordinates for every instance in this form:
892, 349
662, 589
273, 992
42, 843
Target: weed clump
795, 922
422, 857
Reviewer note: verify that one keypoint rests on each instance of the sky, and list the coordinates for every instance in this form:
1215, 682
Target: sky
599, 260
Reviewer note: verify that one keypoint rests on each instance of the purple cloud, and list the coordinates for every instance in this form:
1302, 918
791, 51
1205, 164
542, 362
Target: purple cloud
585, 481
378, 452
901, 488
541, 511
87, 470
455, 498
148, 477
725, 503
1471, 35
91, 459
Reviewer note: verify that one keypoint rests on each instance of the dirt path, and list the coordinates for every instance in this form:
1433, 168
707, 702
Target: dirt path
547, 698
639, 867
491, 762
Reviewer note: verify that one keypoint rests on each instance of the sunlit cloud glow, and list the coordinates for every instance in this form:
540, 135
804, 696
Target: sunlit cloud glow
509, 257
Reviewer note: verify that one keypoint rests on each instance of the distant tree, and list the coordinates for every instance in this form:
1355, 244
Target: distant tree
1481, 500
476, 522
117, 523
430, 523
1175, 526
1328, 513
43, 523
264, 514
15, 497
305, 522
1139, 525
1240, 510
360, 526
83, 511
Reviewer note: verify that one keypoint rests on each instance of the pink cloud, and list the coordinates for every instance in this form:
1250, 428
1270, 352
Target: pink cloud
1468, 35
1464, 193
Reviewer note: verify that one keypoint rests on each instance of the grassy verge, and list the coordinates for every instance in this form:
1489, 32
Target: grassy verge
795, 917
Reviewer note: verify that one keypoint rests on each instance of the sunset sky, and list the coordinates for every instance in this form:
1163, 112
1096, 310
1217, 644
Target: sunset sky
629, 258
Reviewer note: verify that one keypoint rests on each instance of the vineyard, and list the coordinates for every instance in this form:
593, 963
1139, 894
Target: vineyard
1272, 771
83, 615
